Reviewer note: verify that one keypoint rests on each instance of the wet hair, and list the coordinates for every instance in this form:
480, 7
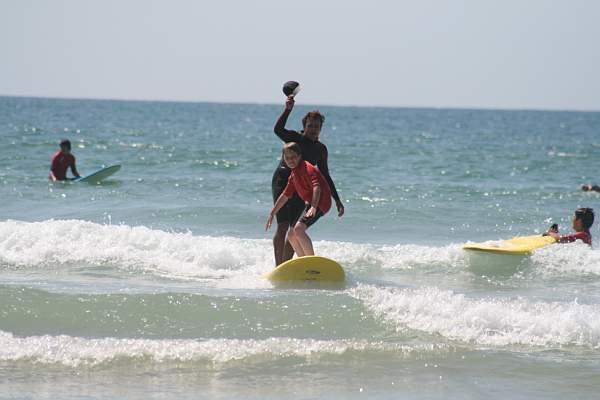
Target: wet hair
65, 143
293, 146
586, 216
316, 114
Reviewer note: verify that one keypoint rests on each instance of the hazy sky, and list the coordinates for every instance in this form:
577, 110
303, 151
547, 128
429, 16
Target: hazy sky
485, 54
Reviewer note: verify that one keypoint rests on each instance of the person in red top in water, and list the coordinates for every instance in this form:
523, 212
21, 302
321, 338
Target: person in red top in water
310, 185
61, 161
582, 222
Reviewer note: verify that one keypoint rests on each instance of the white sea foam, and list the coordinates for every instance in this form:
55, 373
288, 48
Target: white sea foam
496, 322
413, 256
183, 255
173, 255
227, 261
573, 258
75, 351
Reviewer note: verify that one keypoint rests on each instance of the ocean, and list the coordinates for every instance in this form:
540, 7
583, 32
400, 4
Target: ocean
150, 285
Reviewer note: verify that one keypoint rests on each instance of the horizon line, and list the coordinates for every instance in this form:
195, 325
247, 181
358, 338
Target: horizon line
413, 107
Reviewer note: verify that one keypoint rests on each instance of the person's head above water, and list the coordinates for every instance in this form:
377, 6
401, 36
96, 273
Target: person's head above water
65, 146
312, 123
292, 154
583, 219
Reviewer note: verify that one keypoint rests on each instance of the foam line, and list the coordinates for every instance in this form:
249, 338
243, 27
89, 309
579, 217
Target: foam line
76, 351
497, 322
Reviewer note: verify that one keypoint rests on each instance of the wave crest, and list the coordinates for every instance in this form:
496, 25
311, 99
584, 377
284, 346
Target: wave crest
498, 322
76, 351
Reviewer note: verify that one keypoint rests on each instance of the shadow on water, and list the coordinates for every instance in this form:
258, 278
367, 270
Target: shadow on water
495, 265
321, 285
107, 182
75, 184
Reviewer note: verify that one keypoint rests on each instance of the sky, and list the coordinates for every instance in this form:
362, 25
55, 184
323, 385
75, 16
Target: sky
525, 54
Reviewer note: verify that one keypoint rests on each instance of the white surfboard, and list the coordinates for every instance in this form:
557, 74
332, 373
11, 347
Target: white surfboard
99, 175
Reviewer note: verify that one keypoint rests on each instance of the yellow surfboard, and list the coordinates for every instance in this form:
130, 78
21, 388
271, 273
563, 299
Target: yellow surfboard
518, 245
308, 269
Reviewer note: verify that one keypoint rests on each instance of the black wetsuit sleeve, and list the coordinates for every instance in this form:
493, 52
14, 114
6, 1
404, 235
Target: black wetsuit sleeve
324, 168
285, 134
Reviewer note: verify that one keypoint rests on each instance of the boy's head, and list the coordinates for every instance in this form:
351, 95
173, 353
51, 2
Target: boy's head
312, 123
65, 146
583, 219
292, 154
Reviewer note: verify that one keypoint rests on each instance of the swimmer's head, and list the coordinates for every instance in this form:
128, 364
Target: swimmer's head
583, 219
292, 154
312, 123
65, 146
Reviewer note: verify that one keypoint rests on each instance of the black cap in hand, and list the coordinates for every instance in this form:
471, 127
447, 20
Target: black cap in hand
291, 88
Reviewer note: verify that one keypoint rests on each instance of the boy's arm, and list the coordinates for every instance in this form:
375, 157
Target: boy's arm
316, 196
552, 233
324, 168
74, 169
285, 134
565, 238
52, 167
278, 204
283, 198
569, 238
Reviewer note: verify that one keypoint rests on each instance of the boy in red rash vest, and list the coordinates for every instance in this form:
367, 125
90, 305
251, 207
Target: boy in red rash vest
313, 151
582, 222
61, 161
311, 186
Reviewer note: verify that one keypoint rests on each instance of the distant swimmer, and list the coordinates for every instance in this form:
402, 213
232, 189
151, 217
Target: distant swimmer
312, 188
61, 161
583, 219
315, 153
590, 188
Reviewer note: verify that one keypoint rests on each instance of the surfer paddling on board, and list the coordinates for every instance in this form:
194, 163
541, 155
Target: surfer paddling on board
312, 188
315, 153
61, 161
582, 222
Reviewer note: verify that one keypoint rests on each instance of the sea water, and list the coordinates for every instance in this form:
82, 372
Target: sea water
150, 284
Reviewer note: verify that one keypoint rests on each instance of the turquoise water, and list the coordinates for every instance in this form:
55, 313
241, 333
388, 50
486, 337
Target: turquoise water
151, 283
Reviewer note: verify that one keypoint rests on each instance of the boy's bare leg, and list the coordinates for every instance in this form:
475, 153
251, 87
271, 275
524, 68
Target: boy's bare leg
303, 240
293, 238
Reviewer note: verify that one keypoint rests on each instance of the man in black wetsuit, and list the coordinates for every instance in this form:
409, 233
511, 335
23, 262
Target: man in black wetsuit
315, 153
